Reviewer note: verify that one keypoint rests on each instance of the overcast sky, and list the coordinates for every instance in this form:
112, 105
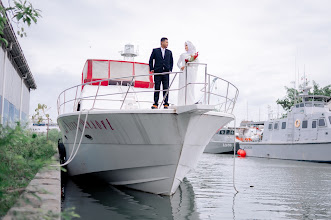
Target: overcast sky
253, 44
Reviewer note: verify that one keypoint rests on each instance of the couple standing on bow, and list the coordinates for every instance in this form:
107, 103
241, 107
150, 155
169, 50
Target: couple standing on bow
161, 61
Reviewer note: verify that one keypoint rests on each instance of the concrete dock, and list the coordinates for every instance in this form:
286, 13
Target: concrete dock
41, 198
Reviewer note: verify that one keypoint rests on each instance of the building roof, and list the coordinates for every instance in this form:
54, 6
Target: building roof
18, 58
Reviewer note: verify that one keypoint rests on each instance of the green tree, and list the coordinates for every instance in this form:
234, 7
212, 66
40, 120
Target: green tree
292, 94
21, 13
317, 90
41, 115
289, 99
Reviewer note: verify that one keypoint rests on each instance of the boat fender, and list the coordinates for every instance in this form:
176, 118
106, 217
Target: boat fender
297, 123
62, 151
241, 153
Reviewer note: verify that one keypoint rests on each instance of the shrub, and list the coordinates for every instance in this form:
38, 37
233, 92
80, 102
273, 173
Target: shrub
22, 154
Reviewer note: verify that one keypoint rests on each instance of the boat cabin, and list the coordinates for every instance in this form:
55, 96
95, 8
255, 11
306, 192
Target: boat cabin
308, 121
121, 81
118, 72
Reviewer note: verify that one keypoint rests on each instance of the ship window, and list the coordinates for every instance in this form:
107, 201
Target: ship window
222, 132
321, 122
232, 132
314, 124
318, 105
270, 127
85, 70
309, 105
228, 132
330, 119
305, 124
302, 105
297, 106
283, 125
276, 126
100, 69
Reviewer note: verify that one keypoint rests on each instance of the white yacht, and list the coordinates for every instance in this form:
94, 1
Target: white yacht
110, 131
304, 134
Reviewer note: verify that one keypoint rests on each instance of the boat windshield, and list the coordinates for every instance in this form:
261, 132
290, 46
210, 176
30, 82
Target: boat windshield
121, 71
309, 104
319, 105
229, 132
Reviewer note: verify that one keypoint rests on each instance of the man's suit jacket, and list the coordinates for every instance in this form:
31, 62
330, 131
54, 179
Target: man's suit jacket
161, 64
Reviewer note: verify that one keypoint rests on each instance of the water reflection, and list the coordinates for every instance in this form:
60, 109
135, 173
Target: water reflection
268, 189
97, 200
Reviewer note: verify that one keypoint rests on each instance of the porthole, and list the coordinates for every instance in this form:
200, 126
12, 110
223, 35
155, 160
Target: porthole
88, 137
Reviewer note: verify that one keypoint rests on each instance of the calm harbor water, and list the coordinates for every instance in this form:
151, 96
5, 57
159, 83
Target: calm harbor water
268, 189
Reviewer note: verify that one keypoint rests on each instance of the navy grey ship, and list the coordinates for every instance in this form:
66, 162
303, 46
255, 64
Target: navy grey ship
221, 142
304, 134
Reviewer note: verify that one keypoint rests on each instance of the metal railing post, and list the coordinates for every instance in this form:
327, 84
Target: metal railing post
205, 95
127, 92
164, 97
226, 97
96, 94
57, 106
186, 82
208, 89
64, 102
75, 99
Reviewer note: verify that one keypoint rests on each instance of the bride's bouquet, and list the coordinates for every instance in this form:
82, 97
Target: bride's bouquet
192, 58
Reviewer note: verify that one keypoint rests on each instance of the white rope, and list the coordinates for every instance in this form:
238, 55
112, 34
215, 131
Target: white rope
234, 155
73, 148
73, 153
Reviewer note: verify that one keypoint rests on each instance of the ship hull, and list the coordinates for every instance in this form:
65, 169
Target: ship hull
315, 152
147, 150
215, 147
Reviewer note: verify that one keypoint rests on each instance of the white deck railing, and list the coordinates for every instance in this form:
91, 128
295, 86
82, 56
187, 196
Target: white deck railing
209, 90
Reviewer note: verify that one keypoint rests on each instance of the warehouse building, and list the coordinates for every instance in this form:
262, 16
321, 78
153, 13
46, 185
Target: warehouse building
16, 80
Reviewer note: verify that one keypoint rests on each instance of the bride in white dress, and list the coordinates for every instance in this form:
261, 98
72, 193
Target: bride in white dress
191, 76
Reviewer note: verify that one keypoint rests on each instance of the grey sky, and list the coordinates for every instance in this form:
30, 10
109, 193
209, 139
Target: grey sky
253, 44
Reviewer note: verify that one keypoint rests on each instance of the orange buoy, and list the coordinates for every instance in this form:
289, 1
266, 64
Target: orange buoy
243, 153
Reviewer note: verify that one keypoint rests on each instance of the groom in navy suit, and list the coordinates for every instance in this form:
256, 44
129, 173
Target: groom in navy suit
163, 62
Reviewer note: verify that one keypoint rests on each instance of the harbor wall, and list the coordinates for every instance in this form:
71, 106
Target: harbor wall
41, 198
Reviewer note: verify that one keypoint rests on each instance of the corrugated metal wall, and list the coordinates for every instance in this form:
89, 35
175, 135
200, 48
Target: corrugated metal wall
1, 71
12, 95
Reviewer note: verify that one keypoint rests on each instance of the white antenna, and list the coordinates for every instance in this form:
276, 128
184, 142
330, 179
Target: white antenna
247, 112
269, 112
295, 79
305, 80
298, 78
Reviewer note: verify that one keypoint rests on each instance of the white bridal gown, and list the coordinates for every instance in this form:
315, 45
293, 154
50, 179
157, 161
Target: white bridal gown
191, 77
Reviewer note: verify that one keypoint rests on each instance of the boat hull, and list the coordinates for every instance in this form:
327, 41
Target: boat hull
150, 150
218, 147
316, 152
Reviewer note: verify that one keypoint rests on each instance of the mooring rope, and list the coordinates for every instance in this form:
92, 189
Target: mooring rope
234, 156
73, 152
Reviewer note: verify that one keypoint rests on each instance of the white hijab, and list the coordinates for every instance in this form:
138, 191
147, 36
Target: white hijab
191, 48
